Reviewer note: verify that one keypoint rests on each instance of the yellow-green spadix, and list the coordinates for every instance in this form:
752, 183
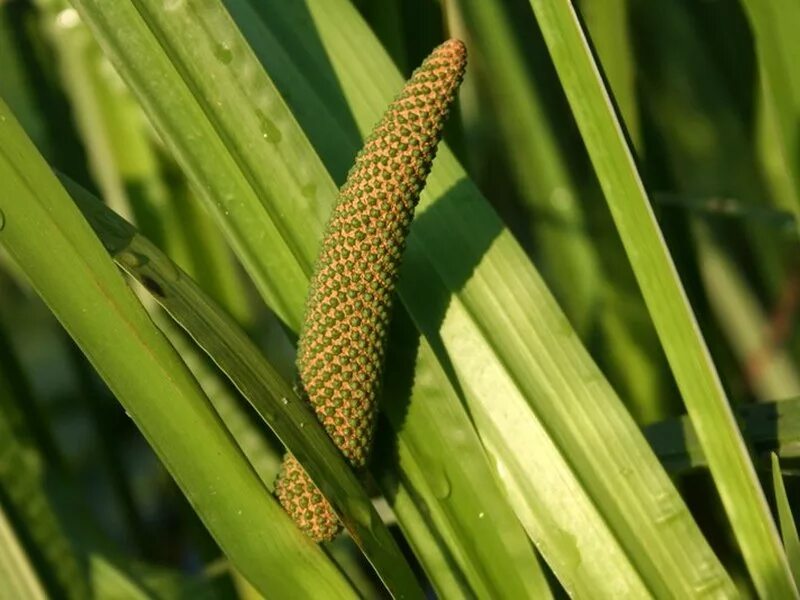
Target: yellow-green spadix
343, 338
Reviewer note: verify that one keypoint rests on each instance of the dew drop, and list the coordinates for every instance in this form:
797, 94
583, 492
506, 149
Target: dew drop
223, 53
268, 129
68, 18
302, 425
309, 191
129, 260
481, 514
171, 5
569, 547
441, 486
285, 401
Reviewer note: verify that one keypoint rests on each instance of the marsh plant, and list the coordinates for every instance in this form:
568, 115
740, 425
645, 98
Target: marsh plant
419, 298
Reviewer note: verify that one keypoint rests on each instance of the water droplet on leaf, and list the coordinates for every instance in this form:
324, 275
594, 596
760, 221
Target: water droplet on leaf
309, 190
223, 53
268, 129
441, 486
68, 18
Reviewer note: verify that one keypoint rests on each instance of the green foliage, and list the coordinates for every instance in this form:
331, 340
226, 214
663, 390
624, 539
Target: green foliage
618, 245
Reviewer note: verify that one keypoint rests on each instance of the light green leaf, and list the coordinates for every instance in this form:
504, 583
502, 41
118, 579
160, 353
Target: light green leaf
292, 419
16, 571
583, 481
768, 427
680, 336
788, 527
526, 379
775, 27
84, 290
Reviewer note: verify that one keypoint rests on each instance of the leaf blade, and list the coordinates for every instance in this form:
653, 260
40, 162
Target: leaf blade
76, 278
696, 376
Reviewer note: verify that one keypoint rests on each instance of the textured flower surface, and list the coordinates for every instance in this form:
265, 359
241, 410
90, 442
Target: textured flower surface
343, 339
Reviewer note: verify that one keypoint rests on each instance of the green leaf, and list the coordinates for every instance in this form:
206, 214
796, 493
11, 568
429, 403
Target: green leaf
472, 535
84, 290
291, 419
517, 361
581, 476
16, 572
609, 26
255, 231
768, 427
769, 368
774, 27
22, 482
541, 170
788, 528
680, 336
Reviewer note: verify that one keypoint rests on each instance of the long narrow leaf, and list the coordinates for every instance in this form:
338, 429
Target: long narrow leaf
466, 283
697, 378
83, 288
788, 527
291, 419
189, 105
517, 360
774, 26
768, 427
569, 262
16, 571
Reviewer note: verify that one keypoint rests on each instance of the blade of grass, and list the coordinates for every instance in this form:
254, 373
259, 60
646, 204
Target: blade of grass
608, 25
83, 288
769, 427
501, 331
16, 572
439, 565
516, 358
770, 370
274, 400
681, 82
189, 127
575, 269
294, 175
540, 167
788, 527
38, 490
478, 529
24, 497
124, 162
775, 26
680, 336
265, 459
127, 169
458, 434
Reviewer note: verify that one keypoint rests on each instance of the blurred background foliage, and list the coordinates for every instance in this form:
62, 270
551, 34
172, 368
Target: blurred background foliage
707, 108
